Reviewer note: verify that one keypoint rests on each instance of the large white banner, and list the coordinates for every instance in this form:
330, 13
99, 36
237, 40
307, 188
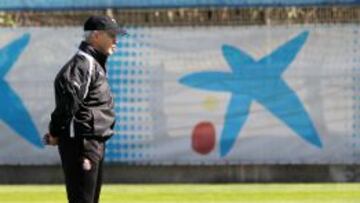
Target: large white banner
203, 95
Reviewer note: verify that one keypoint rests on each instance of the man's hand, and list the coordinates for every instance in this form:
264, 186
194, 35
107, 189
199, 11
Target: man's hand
49, 139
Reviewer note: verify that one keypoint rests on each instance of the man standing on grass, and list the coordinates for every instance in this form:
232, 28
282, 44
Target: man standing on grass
84, 118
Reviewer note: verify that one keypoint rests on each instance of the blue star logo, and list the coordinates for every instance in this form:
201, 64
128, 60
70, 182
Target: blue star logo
260, 81
12, 109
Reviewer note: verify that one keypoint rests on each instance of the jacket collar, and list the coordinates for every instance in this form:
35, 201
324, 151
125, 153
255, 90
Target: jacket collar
98, 56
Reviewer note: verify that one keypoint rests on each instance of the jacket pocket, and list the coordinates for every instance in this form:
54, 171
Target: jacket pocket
103, 122
83, 122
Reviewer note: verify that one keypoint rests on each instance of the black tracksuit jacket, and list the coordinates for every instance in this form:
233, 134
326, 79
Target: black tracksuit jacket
83, 98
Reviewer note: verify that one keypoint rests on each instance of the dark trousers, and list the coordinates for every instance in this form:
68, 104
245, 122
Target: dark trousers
83, 181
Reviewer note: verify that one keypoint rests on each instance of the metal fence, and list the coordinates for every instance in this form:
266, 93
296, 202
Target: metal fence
189, 16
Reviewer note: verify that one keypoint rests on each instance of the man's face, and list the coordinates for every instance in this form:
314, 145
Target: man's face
107, 42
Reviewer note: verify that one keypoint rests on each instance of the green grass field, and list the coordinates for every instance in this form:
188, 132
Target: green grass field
193, 193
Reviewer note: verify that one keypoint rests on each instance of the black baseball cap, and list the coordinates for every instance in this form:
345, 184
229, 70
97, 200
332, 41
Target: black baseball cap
103, 23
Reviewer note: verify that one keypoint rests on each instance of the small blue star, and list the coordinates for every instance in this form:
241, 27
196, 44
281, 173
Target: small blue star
12, 109
260, 81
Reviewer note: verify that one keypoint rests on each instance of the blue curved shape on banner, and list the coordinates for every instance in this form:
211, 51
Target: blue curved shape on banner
260, 81
86, 4
12, 110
